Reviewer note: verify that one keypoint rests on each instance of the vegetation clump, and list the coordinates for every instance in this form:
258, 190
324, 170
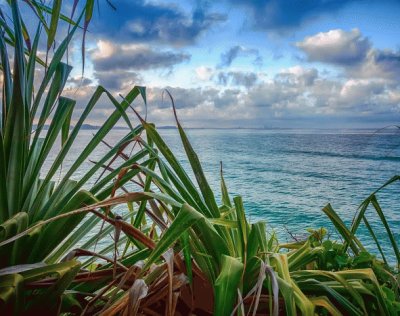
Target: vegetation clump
176, 250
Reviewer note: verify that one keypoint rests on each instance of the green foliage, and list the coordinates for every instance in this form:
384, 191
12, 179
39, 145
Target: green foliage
226, 285
174, 239
315, 275
27, 195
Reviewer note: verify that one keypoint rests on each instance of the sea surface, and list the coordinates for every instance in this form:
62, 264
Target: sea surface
286, 176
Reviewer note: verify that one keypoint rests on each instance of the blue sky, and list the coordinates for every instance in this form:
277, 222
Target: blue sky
292, 63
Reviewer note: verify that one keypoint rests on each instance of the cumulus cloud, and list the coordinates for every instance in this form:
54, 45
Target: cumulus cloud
238, 51
146, 21
118, 80
361, 91
353, 52
199, 107
109, 56
367, 90
118, 66
194, 97
303, 96
297, 95
379, 64
336, 47
293, 97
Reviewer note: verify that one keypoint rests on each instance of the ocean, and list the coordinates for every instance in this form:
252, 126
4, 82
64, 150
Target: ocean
285, 177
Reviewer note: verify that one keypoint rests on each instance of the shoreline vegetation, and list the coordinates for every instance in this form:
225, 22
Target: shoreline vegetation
175, 250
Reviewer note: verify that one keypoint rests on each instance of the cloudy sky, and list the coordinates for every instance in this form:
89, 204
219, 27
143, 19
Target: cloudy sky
231, 63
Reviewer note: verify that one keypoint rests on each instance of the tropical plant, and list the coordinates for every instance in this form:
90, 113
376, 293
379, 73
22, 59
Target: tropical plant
174, 249
33, 124
248, 271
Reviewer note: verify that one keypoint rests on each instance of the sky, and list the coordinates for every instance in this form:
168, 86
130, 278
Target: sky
238, 63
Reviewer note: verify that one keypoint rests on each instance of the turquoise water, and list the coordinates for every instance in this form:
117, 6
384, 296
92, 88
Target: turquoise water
286, 176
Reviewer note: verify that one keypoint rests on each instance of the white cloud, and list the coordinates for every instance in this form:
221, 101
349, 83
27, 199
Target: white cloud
111, 57
280, 99
336, 47
353, 53
367, 86
360, 90
378, 64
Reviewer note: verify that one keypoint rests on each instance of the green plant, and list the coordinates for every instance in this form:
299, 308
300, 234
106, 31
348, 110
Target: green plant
32, 123
175, 249
236, 256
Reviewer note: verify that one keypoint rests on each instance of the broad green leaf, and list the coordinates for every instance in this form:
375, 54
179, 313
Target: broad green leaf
227, 285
